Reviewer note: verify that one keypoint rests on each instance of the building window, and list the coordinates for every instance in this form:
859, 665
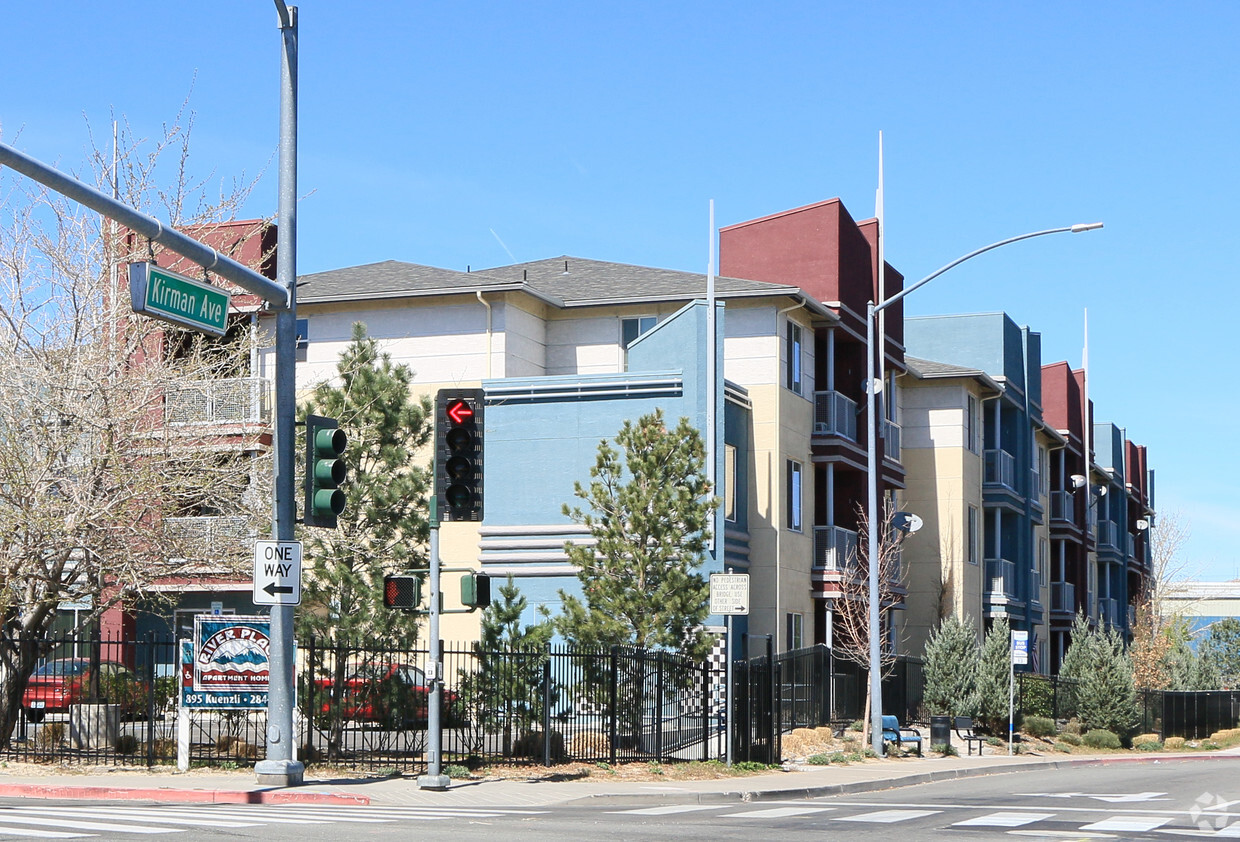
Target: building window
795, 638
794, 356
970, 424
1044, 470
1044, 557
630, 329
972, 536
794, 496
729, 482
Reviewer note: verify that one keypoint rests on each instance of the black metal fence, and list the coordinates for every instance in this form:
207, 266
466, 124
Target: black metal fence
1193, 715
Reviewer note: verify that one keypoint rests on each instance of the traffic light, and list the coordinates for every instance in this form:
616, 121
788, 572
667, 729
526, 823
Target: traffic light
458, 453
402, 592
476, 590
325, 471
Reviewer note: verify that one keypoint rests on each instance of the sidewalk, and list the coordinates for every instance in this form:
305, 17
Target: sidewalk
240, 787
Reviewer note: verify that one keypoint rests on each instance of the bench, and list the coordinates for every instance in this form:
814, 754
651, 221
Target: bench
964, 730
893, 733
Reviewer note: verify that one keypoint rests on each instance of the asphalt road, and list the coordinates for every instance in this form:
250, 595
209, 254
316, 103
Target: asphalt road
1119, 801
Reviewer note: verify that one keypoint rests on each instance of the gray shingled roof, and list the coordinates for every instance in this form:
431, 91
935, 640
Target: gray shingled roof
931, 369
587, 282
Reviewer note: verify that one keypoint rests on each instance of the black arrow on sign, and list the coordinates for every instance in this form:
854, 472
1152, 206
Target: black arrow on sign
272, 589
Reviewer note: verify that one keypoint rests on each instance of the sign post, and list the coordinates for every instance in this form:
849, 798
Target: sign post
1020, 655
729, 596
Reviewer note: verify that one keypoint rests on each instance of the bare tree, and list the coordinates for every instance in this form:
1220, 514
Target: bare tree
851, 638
1151, 639
89, 466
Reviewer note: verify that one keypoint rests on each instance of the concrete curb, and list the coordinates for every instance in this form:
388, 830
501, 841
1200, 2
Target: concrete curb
854, 787
180, 796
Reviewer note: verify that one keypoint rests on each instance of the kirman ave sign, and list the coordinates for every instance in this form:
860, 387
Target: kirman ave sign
175, 298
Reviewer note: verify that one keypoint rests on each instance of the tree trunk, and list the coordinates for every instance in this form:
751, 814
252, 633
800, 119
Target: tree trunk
18, 658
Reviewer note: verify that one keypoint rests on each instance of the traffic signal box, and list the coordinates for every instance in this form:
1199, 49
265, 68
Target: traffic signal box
325, 471
476, 590
402, 592
458, 454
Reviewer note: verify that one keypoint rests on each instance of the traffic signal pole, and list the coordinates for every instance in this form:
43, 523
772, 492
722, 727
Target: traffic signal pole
434, 779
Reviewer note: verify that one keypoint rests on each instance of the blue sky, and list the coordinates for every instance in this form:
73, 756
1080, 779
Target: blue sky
454, 133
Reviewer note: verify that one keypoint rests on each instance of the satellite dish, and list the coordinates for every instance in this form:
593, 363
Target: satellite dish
874, 387
1143, 525
1078, 480
906, 522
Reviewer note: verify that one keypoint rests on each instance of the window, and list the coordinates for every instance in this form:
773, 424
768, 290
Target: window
972, 537
795, 639
970, 424
630, 329
1044, 470
1044, 556
729, 483
303, 340
794, 496
794, 356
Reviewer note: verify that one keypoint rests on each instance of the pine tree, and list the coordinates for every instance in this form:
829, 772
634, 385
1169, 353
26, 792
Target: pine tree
384, 527
1107, 696
649, 509
951, 668
1075, 663
994, 678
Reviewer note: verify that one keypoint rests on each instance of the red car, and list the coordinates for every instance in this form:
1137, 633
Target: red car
392, 694
58, 684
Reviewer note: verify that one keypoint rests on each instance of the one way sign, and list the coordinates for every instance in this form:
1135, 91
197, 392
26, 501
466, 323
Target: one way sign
277, 573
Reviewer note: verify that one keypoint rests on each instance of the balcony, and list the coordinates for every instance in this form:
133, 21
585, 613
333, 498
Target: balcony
1001, 577
209, 531
891, 435
1000, 469
1108, 612
1063, 597
242, 400
1107, 532
835, 415
835, 548
1061, 506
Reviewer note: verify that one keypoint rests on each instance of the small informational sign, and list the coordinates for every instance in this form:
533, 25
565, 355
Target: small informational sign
1020, 647
729, 593
165, 295
231, 654
212, 699
277, 573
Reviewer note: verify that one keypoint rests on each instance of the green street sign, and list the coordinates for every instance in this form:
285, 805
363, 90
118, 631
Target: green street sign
175, 298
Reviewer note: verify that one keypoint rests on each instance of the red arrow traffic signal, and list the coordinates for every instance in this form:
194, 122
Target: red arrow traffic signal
460, 412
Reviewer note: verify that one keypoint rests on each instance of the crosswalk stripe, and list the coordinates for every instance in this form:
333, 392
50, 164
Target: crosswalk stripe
1132, 823
41, 834
777, 812
121, 813
664, 811
1232, 831
888, 816
74, 824
1004, 820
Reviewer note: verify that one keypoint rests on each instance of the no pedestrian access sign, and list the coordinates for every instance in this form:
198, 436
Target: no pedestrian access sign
277, 573
729, 593
175, 298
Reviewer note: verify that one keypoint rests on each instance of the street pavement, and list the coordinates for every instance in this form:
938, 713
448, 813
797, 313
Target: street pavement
803, 782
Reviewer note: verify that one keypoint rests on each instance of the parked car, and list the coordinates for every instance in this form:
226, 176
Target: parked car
394, 695
58, 684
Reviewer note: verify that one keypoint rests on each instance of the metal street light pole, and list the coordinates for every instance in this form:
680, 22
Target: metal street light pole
279, 767
872, 514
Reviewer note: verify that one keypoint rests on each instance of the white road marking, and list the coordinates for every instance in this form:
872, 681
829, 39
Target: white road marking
1130, 823
665, 811
888, 816
112, 813
41, 834
39, 821
1004, 820
777, 813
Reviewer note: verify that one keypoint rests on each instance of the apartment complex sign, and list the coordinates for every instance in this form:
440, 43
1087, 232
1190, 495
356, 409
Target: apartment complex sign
175, 298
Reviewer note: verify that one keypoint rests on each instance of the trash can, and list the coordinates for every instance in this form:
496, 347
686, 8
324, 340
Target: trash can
940, 730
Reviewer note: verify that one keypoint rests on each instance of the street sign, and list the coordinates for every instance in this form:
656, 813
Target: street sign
1020, 647
277, 573
729, 593
175, 298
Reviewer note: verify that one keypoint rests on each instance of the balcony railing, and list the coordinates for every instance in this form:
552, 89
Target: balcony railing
835, 548
891, 435
1063, 597
1107, 532
209, 531
1001, 576
835, 414
1108, 612
242, 400
1000, 468
1061, 506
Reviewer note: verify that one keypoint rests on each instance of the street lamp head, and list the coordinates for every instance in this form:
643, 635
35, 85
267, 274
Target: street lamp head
1085, 226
